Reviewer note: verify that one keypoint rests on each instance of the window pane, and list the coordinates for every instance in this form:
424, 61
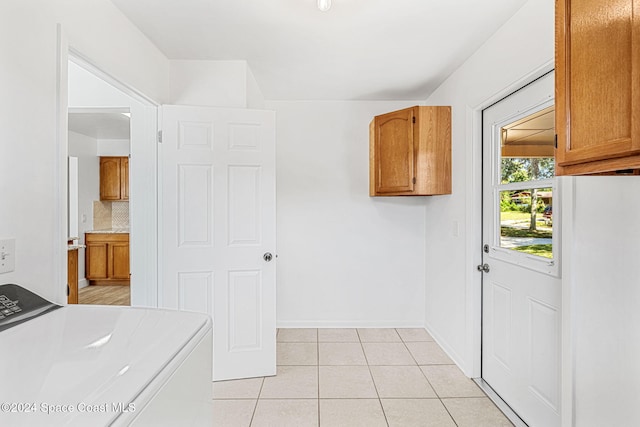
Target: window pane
527, 148
523, 230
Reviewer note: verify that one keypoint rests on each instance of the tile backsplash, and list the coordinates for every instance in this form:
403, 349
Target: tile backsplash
119, 214
108, 215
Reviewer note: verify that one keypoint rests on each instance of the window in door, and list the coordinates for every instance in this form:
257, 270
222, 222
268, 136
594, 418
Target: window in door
524, 187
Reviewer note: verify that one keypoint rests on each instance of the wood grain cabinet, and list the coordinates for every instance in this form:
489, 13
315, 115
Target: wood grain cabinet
72, 276
597, 86
410, 152
114, 178
107, 258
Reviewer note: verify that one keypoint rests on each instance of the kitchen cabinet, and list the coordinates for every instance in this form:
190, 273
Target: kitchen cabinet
72, 276
597, 80
410, 152
114, 178
107, 258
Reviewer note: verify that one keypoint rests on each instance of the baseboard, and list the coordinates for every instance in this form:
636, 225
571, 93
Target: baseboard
448, 350
284, 324
83, 283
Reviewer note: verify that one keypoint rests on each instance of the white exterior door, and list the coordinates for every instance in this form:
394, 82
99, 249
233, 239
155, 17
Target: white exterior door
218, 230
522, 289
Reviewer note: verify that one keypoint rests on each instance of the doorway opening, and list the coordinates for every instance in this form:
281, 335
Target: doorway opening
99, 143
124, 123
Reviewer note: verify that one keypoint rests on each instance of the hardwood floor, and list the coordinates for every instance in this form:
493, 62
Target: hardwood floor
105, 295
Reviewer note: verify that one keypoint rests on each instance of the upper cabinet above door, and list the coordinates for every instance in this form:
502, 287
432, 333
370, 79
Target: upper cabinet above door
597, 86
410, 152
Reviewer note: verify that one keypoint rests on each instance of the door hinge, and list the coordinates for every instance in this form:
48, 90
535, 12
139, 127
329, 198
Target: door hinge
414, 179
414, 119
159, 137
556, 141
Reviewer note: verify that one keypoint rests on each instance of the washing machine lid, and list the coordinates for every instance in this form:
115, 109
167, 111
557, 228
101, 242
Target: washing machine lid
87, 360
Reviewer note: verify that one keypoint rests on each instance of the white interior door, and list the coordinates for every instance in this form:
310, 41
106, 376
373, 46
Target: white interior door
218, 229
521, 314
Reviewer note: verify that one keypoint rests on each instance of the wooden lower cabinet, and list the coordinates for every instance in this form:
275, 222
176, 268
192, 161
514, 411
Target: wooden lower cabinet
107, 258
72, 276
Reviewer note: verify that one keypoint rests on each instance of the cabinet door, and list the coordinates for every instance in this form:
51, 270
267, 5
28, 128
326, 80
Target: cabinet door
124, 178
119, 257
110, 178
597, 85
96, 261
394, 152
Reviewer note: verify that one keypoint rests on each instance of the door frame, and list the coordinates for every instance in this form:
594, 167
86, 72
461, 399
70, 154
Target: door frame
473, 215
147, 208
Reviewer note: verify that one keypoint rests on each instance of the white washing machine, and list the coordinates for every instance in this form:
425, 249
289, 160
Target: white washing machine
102, 365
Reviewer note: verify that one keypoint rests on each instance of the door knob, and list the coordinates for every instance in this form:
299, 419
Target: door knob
484, 268
267, 256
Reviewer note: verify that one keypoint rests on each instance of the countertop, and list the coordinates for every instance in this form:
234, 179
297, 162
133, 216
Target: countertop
74, 247
109, 231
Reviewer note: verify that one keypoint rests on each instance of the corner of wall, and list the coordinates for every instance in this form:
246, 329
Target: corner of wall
255, 98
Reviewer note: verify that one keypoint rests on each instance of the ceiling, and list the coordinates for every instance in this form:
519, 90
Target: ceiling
100, 125
358, 50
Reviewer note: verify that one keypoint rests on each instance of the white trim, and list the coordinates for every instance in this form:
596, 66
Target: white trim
473, 214
568, 345
77, 57
60, 172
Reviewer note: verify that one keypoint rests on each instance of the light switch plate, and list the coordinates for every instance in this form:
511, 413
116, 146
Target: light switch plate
7, 255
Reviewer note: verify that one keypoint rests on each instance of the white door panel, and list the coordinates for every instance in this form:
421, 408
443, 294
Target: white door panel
521, 290
218, 222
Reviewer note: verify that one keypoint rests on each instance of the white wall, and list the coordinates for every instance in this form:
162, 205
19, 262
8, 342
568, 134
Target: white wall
85, 149
214, 84
344, 258
604, 290
525, 43
114, 147
29, 181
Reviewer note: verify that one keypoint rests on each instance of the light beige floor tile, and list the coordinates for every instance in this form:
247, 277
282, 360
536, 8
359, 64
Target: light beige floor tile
338, 335
449, 381
233, 413
294, 353
291, 382
428, 353
351, 413
298, 335
341, 354
387, 354
378, 335
416, 413
237, 389
475, 412
414, 334
286, 413
344, 382
401, 382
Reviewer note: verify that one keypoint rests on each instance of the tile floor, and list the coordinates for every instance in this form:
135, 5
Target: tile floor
356, 377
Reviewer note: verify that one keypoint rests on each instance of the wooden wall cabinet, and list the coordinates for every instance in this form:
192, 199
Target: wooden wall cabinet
107, 258
114, 178
410, 152
597, 86
72, 276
